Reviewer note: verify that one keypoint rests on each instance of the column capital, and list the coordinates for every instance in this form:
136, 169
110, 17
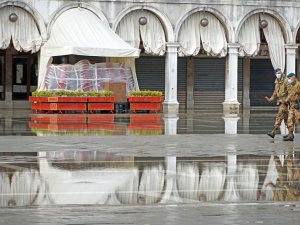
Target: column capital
233, 48
233, 45
291, 49
173, 44
291, 46
172, 47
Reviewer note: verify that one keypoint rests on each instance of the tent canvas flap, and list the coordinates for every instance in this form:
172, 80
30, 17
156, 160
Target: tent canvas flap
81, 32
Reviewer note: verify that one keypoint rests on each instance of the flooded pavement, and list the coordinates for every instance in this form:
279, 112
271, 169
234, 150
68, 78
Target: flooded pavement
90, 187
23, 123
198, 168
90, 177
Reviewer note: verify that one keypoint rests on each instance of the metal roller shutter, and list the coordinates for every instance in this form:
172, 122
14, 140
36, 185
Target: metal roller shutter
261, 82
209, 85
150, 72
240, 81
181, 82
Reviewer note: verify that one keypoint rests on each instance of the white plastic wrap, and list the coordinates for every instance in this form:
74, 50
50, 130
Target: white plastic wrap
84, 76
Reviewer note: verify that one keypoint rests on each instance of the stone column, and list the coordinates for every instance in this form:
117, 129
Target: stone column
231, 193
171, 192
171, 104
231, 104
298, 63
291, 58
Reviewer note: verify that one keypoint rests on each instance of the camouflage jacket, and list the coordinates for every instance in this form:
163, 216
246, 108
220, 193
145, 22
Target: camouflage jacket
280, 90
293, 91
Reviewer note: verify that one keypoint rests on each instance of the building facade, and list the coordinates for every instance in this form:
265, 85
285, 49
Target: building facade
201, 54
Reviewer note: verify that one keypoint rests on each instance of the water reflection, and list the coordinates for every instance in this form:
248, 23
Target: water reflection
23, 123
96, 124
90, 177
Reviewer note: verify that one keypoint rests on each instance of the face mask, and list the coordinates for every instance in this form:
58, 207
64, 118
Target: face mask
278, 75
290, 81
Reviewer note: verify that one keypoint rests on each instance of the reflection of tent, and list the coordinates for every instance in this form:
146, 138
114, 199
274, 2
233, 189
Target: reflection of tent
81, 32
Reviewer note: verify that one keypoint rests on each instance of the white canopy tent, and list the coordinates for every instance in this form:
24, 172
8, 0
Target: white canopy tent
79, 31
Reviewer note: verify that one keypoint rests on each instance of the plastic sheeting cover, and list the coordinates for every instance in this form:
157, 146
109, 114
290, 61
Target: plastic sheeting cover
84, 76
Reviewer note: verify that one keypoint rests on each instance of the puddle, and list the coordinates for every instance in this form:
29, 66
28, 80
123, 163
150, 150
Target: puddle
26, 124
91, 177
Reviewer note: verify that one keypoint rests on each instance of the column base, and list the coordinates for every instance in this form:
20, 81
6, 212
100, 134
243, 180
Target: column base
231, 121
170, 124
171, 108
231, 107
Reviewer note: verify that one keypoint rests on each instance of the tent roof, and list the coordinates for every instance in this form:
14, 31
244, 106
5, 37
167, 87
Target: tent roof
80, 32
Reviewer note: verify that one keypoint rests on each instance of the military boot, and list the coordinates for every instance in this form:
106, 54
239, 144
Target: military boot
290, 137
272, 133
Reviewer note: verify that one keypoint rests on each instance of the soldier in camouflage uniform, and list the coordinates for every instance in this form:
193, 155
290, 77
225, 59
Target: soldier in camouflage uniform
280, 92
293, 99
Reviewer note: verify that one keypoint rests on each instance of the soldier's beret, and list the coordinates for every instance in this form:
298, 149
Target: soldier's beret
290, 75
277, 69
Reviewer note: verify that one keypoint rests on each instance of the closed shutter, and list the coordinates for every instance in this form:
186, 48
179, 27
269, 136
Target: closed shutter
150, 72
261, 82
181, 82
209, 85
240, 81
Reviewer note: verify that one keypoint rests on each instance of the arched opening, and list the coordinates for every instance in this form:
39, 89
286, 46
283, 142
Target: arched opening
20, 41
143, 29
262, 40
297, 40
202, 60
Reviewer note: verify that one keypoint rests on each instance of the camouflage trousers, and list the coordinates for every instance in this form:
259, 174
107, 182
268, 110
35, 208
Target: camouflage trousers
281, 115
293, 118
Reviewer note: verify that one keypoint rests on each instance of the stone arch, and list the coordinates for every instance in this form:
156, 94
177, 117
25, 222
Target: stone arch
162, 17
224, 21
296, 30
34, 13
83, 5
285, 26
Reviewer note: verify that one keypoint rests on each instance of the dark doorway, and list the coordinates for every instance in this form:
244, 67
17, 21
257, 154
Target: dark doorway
24, 75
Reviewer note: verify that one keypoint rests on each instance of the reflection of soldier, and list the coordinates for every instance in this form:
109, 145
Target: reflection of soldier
293, 190
279, 188
287, 187
280, 92
293, 99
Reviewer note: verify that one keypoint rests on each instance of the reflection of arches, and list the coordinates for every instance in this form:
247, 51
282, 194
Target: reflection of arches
187, 180
247, 181
212, 181
25, 188
151, 184
35, 14
162, 17
61, 10
224, 21
285, 26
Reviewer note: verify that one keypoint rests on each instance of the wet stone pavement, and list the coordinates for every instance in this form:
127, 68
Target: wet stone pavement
195, 168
